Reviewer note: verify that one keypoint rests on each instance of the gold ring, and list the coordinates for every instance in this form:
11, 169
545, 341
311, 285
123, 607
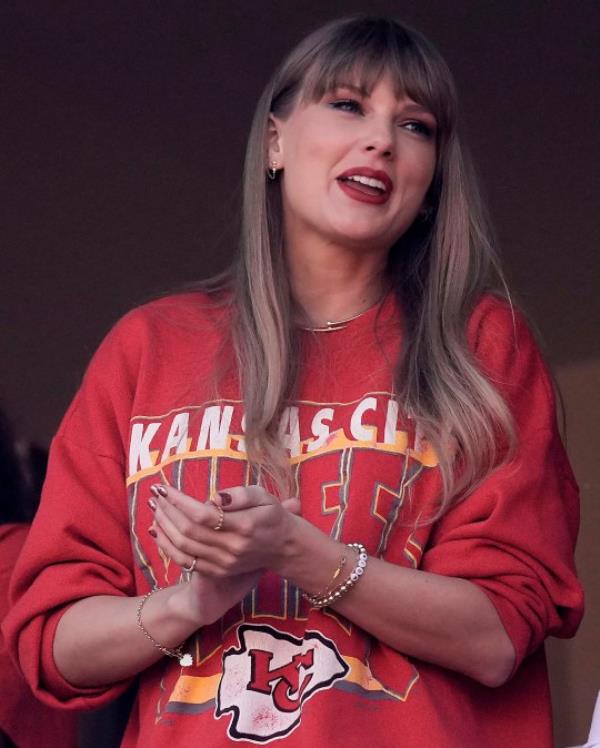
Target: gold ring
221, 520
189, 569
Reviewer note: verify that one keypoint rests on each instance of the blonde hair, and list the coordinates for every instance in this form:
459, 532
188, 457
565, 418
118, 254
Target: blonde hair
438, 268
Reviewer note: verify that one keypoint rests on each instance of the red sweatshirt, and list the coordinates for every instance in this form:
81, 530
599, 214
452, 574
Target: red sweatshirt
273, 670
26, 721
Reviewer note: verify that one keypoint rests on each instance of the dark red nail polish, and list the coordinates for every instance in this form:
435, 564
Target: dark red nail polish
152, 504
162, 490
152, 532
225, 498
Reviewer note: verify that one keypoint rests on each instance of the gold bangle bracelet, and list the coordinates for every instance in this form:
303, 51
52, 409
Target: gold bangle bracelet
331, 586
322, 601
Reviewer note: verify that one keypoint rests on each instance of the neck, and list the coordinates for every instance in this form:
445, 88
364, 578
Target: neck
335, 286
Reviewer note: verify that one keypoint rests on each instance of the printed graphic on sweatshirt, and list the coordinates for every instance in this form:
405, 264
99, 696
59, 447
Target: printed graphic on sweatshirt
268, 679
197, 693
356, 460
354, 465
307, 429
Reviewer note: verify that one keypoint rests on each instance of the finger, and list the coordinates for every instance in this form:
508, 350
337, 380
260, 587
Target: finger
292, 505
182, 531
172, 521
192, 540
168, 549
222, 547
244, 497
205, 562
189, 526
199, 512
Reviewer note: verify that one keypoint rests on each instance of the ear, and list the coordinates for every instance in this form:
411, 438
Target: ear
275, 142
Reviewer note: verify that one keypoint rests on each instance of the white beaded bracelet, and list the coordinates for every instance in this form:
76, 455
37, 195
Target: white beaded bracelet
321, 601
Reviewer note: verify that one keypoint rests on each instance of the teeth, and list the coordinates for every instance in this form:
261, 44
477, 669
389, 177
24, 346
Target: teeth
368, 181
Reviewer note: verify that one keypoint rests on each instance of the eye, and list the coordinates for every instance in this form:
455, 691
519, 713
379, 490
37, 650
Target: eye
347, 105
419, 127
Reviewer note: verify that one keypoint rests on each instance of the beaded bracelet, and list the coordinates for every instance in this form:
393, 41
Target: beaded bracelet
332, 584
185, 658
323, 600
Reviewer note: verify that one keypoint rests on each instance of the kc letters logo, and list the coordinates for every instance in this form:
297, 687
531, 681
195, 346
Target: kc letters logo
267, 680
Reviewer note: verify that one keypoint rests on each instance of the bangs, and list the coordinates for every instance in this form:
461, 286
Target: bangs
365, 49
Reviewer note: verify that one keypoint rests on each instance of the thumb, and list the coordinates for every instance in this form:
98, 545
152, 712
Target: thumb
292, 505
243, 497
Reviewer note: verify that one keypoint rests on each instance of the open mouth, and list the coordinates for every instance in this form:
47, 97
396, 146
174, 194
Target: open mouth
366, 185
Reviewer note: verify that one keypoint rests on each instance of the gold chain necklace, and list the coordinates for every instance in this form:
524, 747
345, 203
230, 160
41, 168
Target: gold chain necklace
332, 326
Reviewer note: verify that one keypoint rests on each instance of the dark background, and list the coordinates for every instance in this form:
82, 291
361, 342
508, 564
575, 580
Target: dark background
124, 131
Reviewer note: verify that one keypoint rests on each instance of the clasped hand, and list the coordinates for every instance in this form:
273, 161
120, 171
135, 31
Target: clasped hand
256, 533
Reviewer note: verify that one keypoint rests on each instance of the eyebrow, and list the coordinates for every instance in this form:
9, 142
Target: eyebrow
352, 87
419, 109
413, 107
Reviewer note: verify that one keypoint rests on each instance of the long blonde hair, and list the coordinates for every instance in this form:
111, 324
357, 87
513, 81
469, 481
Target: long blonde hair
438, 268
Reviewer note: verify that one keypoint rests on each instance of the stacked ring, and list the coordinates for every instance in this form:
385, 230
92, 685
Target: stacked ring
190, 568
221, 520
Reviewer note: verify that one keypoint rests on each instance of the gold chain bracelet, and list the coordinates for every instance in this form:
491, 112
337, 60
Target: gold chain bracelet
185, 658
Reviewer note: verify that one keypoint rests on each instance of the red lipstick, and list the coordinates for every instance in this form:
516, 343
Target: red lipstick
365, 192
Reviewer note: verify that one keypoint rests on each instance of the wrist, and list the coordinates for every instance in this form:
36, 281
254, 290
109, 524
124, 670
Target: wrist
310, 557
294, 548
183, 607
291, 547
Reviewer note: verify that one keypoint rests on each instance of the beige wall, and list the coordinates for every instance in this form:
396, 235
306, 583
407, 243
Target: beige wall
575, 664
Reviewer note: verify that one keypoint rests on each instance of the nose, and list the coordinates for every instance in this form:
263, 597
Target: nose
381, 139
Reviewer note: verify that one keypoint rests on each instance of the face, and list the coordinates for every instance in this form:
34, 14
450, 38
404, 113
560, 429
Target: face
356, 167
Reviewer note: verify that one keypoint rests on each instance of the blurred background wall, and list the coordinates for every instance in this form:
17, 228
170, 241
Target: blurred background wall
123, 136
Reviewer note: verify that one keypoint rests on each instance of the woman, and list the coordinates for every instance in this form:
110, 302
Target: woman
346, 496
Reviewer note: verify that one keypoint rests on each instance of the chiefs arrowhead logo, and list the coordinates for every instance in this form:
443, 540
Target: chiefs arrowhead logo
266, 681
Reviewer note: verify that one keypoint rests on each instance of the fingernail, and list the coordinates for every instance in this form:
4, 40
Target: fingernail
225, 498
152, 504
152, 532
158, 490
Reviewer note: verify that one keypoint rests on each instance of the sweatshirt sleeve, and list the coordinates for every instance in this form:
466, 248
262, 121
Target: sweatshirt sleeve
79, 544
514, 536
